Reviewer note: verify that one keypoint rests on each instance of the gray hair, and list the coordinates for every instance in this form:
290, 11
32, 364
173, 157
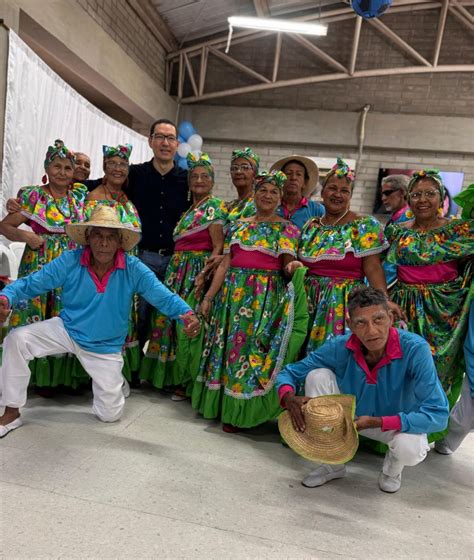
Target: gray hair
399, 182
366, 296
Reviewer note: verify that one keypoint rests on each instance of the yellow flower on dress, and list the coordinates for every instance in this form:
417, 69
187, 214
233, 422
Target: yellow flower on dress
255, 360
238, 294
256, 304
236, 388
368, 239
160, 321
339, 309
267, 364
318, 333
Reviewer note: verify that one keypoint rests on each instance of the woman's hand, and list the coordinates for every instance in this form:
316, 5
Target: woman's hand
192, 326
13, 206
397, 311
33, 240
205, 307
291, 267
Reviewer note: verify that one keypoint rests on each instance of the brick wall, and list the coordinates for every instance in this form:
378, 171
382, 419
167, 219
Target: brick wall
121, 22
364, 193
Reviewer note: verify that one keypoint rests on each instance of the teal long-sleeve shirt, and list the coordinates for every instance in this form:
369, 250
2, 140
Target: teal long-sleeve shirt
96, 319
406, 384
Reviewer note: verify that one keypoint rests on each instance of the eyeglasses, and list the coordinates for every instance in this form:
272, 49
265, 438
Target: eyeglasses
242, 167
388, 192
117, 164
419, 194
162, 137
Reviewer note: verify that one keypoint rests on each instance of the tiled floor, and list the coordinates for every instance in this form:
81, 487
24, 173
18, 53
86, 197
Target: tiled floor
164, 483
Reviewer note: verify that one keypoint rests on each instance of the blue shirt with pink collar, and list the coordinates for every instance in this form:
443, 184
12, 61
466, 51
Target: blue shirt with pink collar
403, 386
96, 311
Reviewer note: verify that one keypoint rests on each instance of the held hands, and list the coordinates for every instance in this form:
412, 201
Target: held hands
397, 312
294, 406
366, 422
192, 326
4, 309
205, 307
291, 267
33, 241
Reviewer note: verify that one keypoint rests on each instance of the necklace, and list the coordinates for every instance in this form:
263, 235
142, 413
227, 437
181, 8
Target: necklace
115, 197
199, 202
336, 222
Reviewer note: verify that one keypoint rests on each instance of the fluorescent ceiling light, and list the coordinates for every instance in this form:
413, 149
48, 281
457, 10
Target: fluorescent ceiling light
286, 26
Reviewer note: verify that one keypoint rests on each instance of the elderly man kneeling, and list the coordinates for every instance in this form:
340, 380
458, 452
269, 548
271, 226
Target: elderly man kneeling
98, 283
399, 399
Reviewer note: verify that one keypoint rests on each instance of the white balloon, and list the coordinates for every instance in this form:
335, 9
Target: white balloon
184, 149
195, 141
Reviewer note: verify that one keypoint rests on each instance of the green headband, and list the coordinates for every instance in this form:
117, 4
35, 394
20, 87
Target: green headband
58, 150
277, 178
428, 174
202, 161
122, 151
340, 169
249, 155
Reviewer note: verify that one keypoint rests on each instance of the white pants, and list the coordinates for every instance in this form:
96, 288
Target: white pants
48, 338
403, 449
461, 419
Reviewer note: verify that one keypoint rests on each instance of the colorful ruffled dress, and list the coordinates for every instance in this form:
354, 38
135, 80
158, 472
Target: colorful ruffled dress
433, 290
333, 255
250, 327
238, 209
128, 215
166, 359
47, 217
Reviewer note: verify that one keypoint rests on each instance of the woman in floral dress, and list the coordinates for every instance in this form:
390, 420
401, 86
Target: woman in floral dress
340, 250
252, 316
110, 192
198, 237
47, 209
243, 170
434, 273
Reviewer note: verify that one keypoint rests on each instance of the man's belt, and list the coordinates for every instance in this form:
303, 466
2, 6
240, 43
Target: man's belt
162, 252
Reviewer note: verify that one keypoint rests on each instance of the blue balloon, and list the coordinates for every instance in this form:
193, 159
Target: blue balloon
370, 8
181, 140
186, 129
182, 163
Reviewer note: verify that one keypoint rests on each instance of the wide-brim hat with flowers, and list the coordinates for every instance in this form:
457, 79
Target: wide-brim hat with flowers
104, 217
330, 435
311, 168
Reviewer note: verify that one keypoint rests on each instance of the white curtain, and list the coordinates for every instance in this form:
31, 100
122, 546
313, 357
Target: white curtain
41, 107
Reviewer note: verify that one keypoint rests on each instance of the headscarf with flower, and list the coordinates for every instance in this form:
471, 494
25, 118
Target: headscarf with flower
277, 178
248, 154
122, 151
340, 169
432, 174
58, 150
203, 160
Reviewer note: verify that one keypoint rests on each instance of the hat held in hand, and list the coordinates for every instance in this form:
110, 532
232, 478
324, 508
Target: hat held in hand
330, 435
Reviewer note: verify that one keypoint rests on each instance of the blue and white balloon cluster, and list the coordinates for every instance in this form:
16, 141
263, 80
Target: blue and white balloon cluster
189, 141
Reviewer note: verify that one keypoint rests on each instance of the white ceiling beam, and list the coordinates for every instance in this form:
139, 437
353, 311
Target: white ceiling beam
329, 60
463, 11
355, 45
203, 69
261, 8
181, 77
454, 11
276, 59
189, 68
398, 41
333, 77
239, 65
440, 32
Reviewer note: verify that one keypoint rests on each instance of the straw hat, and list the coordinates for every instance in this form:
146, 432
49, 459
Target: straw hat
106, 217
310, 166
330, 435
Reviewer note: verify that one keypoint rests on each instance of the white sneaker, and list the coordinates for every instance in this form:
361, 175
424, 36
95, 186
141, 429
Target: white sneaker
323, 474
443, 448
390, 484
125, 388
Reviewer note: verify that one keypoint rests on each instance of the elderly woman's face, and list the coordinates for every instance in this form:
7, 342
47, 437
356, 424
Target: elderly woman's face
296, 179
425, 199
104, 243
267, 198
242, 172
336, 194
60, 172
116, 170
200, 181
83, 167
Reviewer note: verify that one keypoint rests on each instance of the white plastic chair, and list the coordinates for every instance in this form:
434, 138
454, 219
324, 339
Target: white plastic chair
17, 247
8, 262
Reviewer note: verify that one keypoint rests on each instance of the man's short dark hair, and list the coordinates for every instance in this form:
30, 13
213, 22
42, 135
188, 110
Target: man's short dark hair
162, 121
301, 164
366, 296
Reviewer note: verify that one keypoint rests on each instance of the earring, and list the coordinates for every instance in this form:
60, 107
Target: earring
440, 212
189, 195
44, 179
